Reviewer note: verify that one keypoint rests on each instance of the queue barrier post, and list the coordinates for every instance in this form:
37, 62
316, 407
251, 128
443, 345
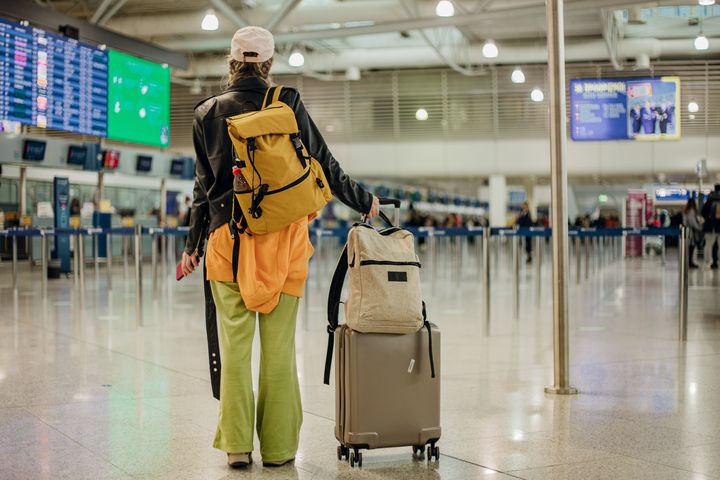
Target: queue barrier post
586, 251
108, 259
577, 259
73, 243
516, 273
43, 261
96, 253
138, 275
81, 261
153, 263
538, 269
14, 264
683, 261
486, 271
125, 255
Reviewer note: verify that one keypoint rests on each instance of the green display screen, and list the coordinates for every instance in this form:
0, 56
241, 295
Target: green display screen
138, 100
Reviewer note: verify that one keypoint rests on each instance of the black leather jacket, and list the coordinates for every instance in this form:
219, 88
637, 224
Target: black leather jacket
212, 202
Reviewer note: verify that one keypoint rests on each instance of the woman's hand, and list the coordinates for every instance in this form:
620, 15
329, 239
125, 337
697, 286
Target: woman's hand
375, 208
189, 263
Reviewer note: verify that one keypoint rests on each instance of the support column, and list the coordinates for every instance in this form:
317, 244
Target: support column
498, 200
163, 203
100, 189
22, 192
558, 213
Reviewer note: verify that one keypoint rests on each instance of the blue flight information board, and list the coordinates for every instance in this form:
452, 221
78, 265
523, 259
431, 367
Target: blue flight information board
51, 81
625, 109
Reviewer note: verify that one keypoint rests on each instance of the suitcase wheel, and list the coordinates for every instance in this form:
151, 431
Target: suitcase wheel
342, 452
433, 451
418, 451
355, 458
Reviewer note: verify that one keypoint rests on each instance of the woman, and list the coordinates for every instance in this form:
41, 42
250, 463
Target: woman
272, 267
692, 221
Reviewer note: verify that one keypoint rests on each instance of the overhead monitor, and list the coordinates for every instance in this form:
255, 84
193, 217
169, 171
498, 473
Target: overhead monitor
33, 150
51, 81
625, 109
77, 155
138, 100
177, 167
144, 163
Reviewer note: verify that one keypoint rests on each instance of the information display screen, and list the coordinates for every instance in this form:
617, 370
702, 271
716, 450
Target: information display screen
625, 109
51, 81
138, 100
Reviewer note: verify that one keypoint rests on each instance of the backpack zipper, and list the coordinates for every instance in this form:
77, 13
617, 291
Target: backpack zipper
289, 185
388, 262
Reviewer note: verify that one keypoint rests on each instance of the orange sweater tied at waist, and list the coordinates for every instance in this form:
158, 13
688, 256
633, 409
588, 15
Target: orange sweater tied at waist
269, 264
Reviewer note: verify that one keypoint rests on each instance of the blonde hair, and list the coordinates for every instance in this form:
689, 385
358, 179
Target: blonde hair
239, 70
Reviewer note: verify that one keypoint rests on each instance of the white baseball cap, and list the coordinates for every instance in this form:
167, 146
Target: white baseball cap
253, 45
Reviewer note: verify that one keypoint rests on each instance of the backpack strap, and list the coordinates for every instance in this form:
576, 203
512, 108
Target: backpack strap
212, 334
272, 95
333, 309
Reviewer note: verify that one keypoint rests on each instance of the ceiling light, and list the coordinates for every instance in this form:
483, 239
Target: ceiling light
701, 42
210, 21
537, 95
517, 76
691, 116
196, 88
297, 59
421, 114
445, 8
706, 3
490, 50
352, 73
693, 107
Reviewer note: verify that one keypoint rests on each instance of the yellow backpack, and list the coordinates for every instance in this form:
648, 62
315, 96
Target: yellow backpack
281, 182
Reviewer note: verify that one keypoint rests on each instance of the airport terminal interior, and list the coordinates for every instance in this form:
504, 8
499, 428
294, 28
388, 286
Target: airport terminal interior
557, 163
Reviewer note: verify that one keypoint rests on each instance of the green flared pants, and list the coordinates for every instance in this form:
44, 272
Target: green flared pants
279, 409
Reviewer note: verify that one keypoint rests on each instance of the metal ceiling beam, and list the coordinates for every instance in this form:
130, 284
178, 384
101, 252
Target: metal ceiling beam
100, 11
228, 11
456, 21
42, 17
281, 14
111, 13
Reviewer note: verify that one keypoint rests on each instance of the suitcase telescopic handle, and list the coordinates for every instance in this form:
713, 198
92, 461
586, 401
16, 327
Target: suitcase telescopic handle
395, 203
390, 201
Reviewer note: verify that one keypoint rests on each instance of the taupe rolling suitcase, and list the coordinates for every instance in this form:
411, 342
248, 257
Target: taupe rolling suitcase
387, 390
385, 395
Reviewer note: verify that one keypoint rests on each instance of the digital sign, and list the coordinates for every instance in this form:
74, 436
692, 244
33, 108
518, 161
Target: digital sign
51, 81
625, 109
138, 100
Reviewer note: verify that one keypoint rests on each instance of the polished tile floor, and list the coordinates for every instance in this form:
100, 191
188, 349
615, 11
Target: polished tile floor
86, 394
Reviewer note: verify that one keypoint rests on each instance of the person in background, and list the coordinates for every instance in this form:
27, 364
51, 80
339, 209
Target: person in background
272, 268
636, 117
525, 221
711, 214
694, 223
665, 116
648, 116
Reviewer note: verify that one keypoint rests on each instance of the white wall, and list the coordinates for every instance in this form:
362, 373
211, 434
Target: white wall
453, 158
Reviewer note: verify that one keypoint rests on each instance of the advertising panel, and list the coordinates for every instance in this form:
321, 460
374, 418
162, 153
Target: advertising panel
625, 109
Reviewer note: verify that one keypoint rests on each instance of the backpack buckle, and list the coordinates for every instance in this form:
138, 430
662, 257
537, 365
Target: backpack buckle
251, 144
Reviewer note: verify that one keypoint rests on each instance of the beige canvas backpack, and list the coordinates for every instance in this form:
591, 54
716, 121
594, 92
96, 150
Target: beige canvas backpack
384, 293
